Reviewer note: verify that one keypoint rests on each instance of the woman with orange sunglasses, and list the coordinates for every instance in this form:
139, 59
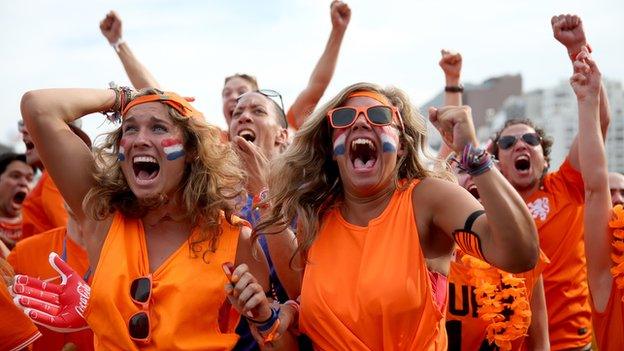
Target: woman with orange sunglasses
376, 227
157, 199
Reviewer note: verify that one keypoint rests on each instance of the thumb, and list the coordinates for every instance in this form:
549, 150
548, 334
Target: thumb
433, 115
63, 269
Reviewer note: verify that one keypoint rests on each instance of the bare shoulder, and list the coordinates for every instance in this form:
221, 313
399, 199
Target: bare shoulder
432, 190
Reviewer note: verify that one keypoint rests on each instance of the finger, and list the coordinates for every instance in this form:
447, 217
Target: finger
228, 267
248, 292
243, 282
255, 301
43, 318
238, 272
61, 267
36, 304
433, 115
21, 290
592, 64
34, 283
579, 78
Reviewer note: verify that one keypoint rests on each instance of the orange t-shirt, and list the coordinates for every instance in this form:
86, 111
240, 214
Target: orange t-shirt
557, 208
187, 292
16, 329
43, 209
466, 331
368, 288
30, 257
609, 325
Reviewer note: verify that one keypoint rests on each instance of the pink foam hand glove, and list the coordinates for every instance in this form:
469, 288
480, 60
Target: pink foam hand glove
57, 307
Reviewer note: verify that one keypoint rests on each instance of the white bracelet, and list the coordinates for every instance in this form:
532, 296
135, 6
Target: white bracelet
116, 44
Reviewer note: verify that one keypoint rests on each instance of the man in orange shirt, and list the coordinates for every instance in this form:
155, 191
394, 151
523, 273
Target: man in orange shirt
30, 257
43, 208
15, 177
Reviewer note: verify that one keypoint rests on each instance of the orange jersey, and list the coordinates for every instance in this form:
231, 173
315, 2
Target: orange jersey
368, 288
557, 208
187, 293
30, 257
43, 209
466, 331
16, 329
609, 325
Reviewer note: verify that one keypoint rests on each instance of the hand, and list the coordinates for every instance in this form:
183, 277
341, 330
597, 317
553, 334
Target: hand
568, 30
111, 27
586, 78
451, 63
246, 294
57, 307
255, 163
455, 125
340, 15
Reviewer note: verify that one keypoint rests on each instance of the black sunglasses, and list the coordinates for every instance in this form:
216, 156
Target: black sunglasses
507, 141
140, 292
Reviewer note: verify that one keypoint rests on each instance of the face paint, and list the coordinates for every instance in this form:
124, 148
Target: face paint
389, 140
339, 145
121, 154
173, 148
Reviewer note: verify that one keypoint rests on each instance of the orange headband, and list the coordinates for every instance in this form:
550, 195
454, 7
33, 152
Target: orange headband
174, 100
371, 94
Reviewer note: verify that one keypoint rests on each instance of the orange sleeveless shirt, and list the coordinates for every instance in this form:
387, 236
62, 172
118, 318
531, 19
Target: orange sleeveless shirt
609, 324
43, 208
368, 288
187, 293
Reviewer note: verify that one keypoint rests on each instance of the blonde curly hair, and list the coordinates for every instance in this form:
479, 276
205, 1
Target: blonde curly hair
305, 181
212, 182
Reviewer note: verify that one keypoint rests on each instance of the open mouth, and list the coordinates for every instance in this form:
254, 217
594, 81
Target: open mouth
145, 167
473, 191
363, 153
29, 145
522, 163
247, 134
19, 197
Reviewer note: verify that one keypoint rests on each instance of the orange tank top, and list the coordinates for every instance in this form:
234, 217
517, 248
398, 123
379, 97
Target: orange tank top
368, 288
185, 309
43, 208
609, 325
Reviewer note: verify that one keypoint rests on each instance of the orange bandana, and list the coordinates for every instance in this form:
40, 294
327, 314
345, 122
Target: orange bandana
371, 94
174, 100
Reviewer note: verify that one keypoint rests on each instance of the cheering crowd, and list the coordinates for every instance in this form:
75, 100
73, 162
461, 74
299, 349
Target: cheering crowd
325, 227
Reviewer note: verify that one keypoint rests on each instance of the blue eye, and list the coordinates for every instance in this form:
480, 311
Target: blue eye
129, 128
160, 128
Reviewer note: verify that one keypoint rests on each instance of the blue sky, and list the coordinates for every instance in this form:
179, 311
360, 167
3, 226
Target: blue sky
190, 46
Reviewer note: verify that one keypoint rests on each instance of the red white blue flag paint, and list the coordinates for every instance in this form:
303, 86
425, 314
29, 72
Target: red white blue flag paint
173, 148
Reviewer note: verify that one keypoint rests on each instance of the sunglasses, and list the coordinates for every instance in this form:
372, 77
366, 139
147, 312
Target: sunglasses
381, 115
140, 292
507, 141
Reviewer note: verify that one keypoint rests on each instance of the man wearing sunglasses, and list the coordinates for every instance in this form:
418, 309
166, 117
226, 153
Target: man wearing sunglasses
556, 202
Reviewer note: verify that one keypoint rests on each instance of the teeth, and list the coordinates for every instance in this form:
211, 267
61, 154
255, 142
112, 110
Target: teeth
362, 141
523, 157
245, 132
144, 159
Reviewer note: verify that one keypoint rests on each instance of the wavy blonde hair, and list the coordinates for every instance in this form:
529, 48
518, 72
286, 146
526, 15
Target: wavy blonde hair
211, 185
305, 181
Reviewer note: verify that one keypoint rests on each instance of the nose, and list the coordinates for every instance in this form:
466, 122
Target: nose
140, 138
245, 117
617, 197
361, 123
23, 181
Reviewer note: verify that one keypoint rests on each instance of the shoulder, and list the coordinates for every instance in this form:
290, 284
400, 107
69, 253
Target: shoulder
42, 240
431, 190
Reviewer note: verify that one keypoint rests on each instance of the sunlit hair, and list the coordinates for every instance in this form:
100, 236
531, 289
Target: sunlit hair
305, 181
249, 78
547, 141
212, 180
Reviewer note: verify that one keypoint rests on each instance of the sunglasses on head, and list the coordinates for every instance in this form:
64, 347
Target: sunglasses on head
140, 292
272, 94
381, 115
507, 141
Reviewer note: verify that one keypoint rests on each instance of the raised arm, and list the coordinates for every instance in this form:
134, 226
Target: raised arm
593, 162
537, 338
138, 74
65, 156
451, 64
505, 236
324, 69
568, 30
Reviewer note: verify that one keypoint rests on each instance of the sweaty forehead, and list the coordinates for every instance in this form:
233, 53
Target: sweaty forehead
517, 129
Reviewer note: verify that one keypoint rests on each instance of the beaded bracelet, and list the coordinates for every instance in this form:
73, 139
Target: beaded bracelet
475, 161
123, 96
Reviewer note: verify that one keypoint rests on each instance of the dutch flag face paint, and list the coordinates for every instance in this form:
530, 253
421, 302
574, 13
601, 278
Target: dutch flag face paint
389, 140
339, 145
121, 154
173, 148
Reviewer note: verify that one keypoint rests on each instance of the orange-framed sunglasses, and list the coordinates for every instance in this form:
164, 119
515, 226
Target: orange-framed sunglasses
380, 115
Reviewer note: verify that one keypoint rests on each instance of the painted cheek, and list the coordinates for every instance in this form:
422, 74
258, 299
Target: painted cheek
389, 139
173, 148
339, 143
121, 155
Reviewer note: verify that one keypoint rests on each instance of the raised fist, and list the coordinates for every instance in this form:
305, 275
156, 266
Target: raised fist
455, 125
57, 307
340, 15
111, 27
568, 30
451, 63
586, 78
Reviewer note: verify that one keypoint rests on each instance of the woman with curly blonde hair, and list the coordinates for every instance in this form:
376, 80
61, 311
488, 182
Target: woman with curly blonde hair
157, 202
376, 228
